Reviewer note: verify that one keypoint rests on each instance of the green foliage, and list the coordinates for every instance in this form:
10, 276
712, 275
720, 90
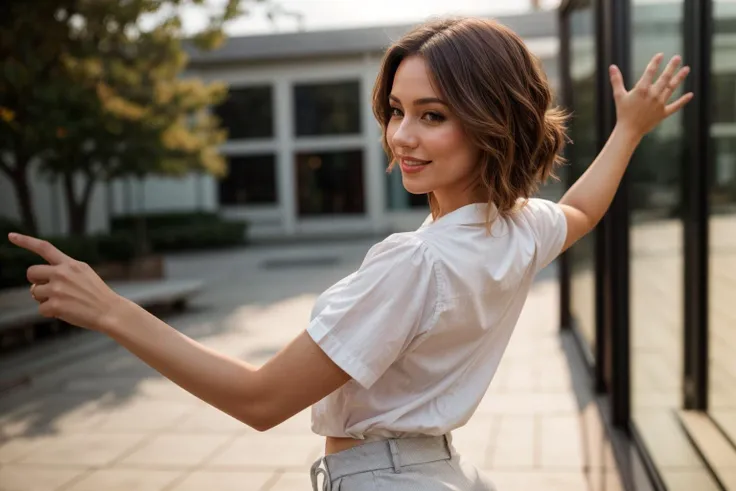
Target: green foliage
94, 87
199, 236
154, 221
178, 231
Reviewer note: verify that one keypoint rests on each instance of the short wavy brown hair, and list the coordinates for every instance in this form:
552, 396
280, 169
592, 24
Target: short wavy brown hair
500, 93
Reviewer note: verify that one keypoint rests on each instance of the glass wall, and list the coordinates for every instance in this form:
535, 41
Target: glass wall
656, 251
722, 223
580, 153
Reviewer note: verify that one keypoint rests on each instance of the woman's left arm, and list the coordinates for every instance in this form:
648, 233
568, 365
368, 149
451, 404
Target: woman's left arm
294, 379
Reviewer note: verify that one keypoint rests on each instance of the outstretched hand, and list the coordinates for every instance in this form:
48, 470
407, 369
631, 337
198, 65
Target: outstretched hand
643, 107
67, 289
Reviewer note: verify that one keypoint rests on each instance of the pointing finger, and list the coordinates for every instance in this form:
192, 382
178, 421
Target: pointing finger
41, 247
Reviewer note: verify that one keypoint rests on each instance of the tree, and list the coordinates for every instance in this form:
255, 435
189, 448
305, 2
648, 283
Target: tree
92, 94
30, 69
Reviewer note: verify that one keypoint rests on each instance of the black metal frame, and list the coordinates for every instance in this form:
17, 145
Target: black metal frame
698, 40
616, 269
595, 357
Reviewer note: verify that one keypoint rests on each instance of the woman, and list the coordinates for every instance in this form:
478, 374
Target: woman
400, 353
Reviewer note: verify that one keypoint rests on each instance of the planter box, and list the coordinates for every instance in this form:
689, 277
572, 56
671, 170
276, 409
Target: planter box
142, 268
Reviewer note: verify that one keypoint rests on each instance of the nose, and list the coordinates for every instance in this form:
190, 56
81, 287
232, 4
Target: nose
405, 135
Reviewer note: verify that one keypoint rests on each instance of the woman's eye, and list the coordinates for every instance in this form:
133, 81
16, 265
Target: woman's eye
395, 112
434, 117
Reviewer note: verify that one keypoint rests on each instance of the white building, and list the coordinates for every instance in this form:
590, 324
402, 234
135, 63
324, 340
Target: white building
304, 151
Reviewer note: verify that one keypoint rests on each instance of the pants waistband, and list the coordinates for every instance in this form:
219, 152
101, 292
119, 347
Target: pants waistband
393, 454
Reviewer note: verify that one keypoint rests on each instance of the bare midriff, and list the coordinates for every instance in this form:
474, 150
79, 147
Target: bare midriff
335, 444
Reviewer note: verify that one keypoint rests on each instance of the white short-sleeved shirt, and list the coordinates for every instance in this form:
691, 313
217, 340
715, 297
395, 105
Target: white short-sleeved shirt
423, 323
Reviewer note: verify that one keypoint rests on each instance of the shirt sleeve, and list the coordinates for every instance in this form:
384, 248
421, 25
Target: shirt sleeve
549, 226
368, 322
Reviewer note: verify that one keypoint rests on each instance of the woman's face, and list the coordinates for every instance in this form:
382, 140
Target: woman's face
427, 140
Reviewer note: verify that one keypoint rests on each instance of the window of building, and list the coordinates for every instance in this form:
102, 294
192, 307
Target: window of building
248, 112
251, 180
330, 183
327, 108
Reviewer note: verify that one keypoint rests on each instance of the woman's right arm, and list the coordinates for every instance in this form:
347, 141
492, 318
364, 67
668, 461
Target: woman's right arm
638, 111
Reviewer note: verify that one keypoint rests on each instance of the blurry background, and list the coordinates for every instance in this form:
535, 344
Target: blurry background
222, 156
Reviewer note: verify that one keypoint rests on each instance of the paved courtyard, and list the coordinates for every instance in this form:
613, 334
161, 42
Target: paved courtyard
105, 421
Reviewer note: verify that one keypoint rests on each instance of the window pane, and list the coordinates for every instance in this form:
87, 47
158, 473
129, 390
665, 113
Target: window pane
656, 287
330, 183
581, 154
327, 109
722, 245
251, 180
247, 113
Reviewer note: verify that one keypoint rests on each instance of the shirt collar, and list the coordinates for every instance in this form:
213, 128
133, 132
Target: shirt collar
472, 214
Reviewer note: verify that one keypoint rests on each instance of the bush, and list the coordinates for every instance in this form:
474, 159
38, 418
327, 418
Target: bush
185, 230
165, 232
163, 220
197, 236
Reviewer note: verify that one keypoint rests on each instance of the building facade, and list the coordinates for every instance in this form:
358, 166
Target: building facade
649, 293
304, 151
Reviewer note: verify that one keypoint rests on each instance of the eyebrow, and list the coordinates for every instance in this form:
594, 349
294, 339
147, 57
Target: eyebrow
419, 102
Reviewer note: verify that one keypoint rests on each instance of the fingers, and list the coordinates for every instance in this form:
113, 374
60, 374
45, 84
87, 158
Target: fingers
617, 82
41, 247
39, 273
663, 87
674, 83
41, 293
648, 76
678, 104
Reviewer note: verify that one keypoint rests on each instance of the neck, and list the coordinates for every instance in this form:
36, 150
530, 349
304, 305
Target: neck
444, 202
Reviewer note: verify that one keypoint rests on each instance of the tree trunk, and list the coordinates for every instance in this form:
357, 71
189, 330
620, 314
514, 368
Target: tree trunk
77, 210
18, 175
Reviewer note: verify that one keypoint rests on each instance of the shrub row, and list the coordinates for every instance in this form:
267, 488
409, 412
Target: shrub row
165, 233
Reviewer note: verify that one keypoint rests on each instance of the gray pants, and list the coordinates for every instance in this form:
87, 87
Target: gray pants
403, 464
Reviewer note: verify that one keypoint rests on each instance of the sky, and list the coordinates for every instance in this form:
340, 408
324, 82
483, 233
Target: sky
335, 14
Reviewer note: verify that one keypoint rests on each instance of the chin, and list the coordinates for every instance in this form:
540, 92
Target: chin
413, 187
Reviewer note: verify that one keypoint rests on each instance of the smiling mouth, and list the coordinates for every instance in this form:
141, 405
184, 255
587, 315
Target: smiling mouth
414, 162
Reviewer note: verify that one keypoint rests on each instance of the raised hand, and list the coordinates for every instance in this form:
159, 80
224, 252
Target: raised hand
642, 108
67, 289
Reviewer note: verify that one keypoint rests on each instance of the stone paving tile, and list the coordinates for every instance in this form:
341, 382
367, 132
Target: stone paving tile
208, 419
560, 443
93, 450
17, 448
268, 450
515, 447
231, 481
181, 451
35, 478
121, 479
542, 480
